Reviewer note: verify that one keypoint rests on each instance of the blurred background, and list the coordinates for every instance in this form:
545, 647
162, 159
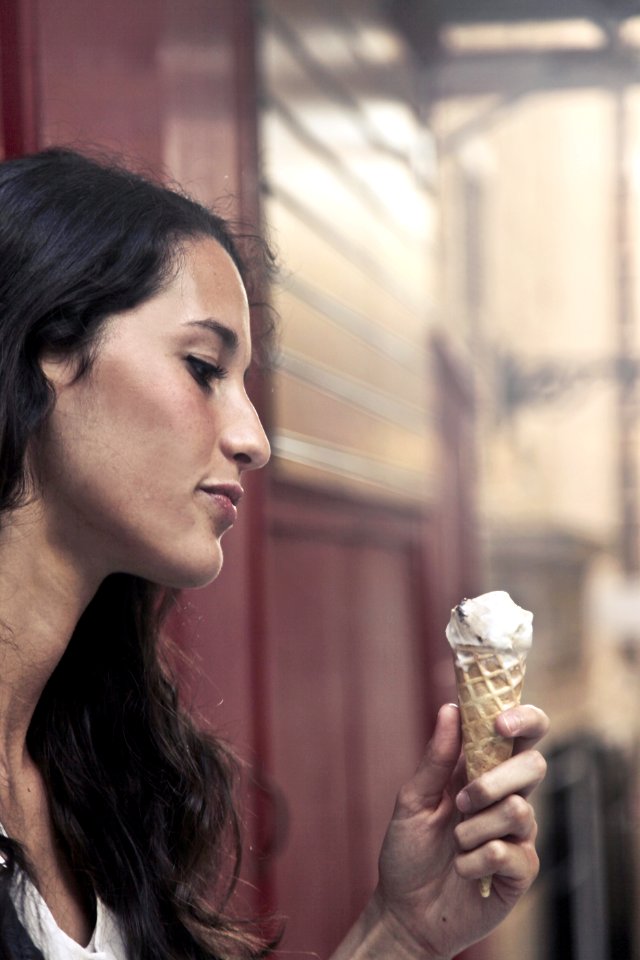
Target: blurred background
452, 190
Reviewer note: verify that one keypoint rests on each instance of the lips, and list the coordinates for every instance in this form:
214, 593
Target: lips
233, 491
225, 498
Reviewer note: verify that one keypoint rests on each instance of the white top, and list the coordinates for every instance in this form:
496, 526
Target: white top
106, 941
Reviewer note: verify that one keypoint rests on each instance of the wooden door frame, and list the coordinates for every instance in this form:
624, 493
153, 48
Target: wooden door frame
19, 77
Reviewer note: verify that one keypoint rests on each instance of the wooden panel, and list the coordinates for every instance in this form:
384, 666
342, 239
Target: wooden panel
99, 77
309, 754
348, 701
209, 120
388, 695
158, 82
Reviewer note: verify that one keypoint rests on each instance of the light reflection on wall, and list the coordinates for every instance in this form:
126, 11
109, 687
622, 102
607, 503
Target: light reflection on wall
525, 35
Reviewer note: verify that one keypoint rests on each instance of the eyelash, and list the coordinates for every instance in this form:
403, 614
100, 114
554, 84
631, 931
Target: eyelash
204, 373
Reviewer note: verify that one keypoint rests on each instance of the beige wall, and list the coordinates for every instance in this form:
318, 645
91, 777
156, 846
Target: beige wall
543, 171
532, 261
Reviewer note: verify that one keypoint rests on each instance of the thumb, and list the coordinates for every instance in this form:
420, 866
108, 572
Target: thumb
440, 758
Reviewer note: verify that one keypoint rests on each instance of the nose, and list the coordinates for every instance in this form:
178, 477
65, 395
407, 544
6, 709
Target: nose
245, 441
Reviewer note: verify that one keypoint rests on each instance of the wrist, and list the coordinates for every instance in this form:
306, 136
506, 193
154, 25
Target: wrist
396, 931
380, 935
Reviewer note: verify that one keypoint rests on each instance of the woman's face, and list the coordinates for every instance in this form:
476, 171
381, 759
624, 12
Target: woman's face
142, 460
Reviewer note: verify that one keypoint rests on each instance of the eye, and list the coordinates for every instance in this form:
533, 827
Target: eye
204, 372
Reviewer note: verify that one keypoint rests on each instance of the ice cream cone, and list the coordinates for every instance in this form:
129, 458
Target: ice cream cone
488, 683
490, 637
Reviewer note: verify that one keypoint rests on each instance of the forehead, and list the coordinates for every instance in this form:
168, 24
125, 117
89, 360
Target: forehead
208, 283
205, 292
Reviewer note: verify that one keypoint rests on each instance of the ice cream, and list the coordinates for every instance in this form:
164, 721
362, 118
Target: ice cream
490, 637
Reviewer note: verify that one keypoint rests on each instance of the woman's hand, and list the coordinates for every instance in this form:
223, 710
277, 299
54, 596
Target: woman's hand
444, 836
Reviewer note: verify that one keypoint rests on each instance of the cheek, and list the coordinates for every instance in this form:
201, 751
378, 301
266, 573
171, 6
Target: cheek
143, 430
138, 431
163, 440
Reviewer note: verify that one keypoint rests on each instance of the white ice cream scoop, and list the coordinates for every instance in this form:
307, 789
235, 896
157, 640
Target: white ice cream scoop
491, 620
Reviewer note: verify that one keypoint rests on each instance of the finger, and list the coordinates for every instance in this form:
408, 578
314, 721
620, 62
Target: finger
459, 777
521, 774
515, 862
437, 766
513, 818
526, 723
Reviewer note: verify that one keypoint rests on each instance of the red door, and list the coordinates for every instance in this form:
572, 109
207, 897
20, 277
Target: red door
348, 701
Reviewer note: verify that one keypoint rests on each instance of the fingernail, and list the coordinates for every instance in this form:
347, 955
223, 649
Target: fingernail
463, 802
443, 710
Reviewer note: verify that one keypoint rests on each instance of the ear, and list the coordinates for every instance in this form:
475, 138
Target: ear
59, 369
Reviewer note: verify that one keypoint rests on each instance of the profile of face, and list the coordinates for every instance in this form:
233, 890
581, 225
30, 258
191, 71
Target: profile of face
141, 462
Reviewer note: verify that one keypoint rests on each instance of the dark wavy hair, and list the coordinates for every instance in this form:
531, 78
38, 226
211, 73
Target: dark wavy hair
141, 799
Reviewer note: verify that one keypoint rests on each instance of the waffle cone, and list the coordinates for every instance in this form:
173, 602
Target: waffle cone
488, 683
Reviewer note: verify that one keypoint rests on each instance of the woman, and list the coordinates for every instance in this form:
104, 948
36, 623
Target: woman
125, 431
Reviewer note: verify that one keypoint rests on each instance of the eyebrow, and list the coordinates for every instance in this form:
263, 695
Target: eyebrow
228, 336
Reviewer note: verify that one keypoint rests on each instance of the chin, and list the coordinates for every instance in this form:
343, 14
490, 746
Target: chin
187, 575
203, 580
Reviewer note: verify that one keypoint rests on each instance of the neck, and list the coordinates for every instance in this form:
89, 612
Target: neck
42, 595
